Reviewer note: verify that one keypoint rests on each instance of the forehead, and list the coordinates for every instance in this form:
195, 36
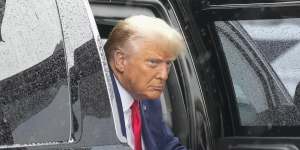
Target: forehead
151, 47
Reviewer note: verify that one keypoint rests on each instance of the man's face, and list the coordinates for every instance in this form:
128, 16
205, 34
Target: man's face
146, 68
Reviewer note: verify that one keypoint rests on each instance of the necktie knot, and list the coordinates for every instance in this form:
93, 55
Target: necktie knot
136, 125
135, 106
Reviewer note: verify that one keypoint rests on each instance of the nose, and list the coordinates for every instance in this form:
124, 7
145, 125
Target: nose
164, 72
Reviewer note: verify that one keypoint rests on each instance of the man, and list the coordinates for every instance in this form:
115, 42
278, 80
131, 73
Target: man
140, 50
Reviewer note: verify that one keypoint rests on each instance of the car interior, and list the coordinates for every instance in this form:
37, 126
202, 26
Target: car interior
174, 113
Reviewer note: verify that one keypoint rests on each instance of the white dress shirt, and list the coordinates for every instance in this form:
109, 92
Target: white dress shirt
127, 101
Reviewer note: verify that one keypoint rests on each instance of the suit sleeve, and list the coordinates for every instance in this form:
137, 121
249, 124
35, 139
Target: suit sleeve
172, 142
161, 134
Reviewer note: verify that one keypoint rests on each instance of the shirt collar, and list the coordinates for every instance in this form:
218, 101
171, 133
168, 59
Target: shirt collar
126, 98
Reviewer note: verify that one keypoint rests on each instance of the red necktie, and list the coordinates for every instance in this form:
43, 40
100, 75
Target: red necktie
136, 125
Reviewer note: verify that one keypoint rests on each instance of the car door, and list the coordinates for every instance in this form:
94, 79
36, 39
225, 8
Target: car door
54, 82
33, 75
253, 60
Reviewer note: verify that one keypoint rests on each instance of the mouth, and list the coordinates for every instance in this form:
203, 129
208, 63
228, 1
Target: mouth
158, 88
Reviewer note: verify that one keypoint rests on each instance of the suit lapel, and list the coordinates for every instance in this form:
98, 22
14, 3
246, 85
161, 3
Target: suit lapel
119, 105
147, 126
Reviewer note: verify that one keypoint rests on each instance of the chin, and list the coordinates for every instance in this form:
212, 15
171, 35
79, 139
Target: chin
153, 99
153, 96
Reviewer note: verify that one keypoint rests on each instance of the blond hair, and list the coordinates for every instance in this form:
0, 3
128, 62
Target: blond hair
140, 26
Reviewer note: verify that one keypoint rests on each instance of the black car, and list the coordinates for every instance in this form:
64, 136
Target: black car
236, 87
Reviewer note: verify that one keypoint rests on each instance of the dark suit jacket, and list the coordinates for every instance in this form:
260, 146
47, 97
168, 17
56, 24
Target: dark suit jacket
156, 135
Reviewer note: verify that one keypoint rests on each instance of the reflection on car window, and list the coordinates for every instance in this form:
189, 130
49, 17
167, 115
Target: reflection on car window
33, 77
279, 41
244, 81
261, 98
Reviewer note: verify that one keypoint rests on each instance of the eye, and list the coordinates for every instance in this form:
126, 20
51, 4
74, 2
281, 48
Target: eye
152, 63
169, 63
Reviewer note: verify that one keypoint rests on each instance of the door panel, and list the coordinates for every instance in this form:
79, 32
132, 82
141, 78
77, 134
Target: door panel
257, 55
33, 78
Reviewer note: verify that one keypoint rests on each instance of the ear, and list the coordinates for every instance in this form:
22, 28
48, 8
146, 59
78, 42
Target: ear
119, 60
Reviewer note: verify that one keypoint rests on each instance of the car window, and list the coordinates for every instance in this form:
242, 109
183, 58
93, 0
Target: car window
279, 41
92, 117
34, 94
244, 81
262, 64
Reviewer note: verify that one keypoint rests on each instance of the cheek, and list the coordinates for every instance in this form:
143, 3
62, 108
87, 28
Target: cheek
139, 75
140, 71
141, 80
148, 76
135, 77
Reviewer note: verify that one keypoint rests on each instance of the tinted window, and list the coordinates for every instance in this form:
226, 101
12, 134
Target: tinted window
34, 94
263, 69
279, 41
246, 80
92, 117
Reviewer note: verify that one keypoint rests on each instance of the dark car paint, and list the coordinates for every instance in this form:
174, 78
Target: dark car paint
204, 80
186, 74
231, 11
87, 85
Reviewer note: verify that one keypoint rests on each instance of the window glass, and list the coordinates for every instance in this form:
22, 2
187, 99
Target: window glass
279, 41
88, 85
262, 60
34, 94
92, 116
243, 81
